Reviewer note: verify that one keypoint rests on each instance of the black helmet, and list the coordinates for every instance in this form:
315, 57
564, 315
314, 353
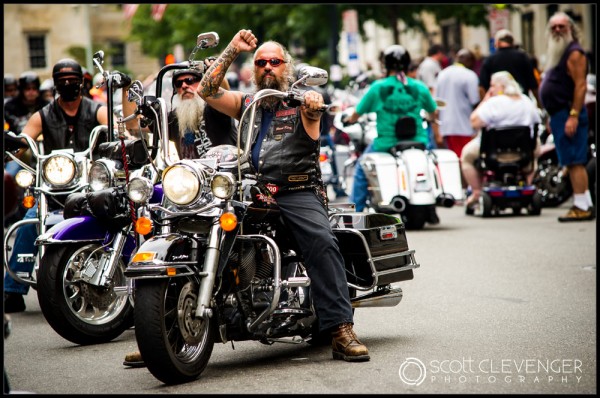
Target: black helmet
9, 79
396, 58
180, 72
66, 66
28, 77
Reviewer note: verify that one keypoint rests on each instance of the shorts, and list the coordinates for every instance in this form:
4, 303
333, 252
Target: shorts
570, 150
456, 142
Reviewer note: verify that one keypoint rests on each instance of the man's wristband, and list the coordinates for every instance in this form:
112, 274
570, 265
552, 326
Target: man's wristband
573, 112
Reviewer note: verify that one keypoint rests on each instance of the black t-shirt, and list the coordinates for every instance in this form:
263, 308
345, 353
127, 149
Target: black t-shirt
16, 113
513, 60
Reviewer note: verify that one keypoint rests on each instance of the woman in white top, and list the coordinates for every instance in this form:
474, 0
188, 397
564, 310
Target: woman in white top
504, 104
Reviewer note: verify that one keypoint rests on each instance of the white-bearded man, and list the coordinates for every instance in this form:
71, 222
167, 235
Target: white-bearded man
562, 94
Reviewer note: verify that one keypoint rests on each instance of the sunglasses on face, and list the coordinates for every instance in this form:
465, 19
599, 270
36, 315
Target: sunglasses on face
558, 26
188, 80
275, 62
64, 82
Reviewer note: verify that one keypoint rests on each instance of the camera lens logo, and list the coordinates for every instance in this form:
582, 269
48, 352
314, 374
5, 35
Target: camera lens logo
412, 372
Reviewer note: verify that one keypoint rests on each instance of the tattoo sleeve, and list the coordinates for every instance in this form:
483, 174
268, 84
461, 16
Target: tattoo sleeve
211, 81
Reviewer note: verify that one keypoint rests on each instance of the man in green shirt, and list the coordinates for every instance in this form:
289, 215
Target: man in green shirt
397, 100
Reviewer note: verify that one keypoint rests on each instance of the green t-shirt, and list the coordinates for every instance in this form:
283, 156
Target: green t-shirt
390, 99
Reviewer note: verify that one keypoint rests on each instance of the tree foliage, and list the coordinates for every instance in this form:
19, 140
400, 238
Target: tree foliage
313, 27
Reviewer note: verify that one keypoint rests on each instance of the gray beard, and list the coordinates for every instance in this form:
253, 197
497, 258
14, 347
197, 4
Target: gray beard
556, 49
189, 113
275, 84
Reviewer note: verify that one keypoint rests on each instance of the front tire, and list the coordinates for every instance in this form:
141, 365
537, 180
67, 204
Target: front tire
175, 345
81, 313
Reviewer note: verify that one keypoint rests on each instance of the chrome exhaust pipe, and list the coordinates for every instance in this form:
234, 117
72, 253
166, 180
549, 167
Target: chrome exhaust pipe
445, 199
390, 299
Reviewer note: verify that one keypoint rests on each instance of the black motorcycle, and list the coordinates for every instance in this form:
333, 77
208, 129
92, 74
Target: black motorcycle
223, 266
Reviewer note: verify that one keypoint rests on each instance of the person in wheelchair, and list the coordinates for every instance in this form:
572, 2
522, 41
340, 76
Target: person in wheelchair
503, 105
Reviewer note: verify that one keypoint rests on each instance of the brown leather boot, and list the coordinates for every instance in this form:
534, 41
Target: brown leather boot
346, 345
134, 360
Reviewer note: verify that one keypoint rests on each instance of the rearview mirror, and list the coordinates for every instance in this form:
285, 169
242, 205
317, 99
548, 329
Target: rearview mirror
207, 40
136, 92
312, 76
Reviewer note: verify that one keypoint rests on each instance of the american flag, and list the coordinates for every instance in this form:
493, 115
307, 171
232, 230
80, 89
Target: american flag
158, 11
129, 10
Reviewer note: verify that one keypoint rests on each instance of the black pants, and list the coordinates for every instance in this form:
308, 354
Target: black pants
306, 216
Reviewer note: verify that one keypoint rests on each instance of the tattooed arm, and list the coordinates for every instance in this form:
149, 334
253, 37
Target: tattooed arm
227, 102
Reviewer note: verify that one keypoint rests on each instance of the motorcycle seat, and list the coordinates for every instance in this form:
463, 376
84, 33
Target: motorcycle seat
403, 145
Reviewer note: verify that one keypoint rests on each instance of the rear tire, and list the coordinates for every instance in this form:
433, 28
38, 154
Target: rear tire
486, 204
535, 207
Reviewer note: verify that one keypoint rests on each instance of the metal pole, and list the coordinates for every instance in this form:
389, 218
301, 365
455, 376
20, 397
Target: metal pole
88, 34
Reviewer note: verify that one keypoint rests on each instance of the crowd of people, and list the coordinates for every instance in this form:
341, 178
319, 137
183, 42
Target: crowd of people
507, 87
502, 89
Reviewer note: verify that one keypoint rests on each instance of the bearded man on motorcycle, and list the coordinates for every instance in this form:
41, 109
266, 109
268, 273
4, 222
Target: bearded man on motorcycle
285, 155
66, 122
397, 100
194, 127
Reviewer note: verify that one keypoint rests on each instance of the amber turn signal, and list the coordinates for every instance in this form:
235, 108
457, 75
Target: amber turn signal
143, 226
28, 202
228, 221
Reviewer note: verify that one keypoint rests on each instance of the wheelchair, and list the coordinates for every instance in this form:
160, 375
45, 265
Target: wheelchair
505, 158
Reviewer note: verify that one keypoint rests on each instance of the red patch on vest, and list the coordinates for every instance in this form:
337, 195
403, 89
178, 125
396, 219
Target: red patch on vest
272, 188
285, 112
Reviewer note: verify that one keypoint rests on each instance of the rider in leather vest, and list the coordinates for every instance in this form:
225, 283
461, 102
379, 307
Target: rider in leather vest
283, 163
56, 131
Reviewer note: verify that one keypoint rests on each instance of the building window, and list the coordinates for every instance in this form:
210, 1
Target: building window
118, 54
527, 24
37, 51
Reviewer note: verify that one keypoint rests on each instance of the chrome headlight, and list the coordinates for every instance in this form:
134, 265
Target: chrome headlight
223, 185
140, 189
59, 170
100, 176
181, 184
24, 178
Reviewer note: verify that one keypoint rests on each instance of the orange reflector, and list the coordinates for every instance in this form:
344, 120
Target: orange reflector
143, 256
143, 226
403, 181
228, 221
28, 202
322, 157
171, 271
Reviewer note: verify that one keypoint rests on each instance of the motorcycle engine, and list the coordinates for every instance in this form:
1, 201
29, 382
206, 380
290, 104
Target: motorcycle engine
251, 260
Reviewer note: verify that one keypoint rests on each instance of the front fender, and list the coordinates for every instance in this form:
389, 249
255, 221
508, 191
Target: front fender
76, 229
164, 256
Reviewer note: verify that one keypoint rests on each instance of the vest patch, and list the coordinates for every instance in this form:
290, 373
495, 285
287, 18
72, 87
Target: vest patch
272, 188
266, 199
285, 112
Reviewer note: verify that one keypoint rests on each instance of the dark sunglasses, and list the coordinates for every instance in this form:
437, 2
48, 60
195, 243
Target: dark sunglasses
273, 61
64, 82
559, 26
188, 80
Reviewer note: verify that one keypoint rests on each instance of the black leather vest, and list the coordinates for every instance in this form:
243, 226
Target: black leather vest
289, 157
56, 132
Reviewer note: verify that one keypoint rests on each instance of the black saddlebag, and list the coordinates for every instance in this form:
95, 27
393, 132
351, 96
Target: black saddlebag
374, 248
134, 152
